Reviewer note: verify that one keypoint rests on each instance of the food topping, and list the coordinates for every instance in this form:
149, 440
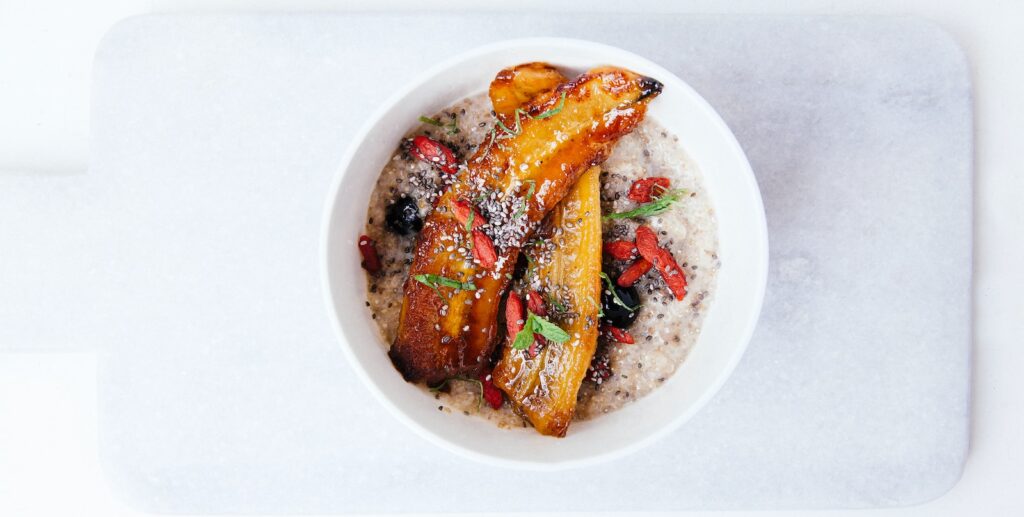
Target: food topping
468, 215
436, 281
621, 250
515, 314
620, 305
435, 153
483, 249
618, 334
491, 393
659, 204
647, 245
368, 249
403, 216
536, 324
452, 127
637, 269
536, 304
646, 189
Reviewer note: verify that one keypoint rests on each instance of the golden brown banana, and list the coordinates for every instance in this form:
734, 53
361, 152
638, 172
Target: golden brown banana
447, 325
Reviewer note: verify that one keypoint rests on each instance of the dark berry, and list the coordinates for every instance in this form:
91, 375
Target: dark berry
614, 313
403, 216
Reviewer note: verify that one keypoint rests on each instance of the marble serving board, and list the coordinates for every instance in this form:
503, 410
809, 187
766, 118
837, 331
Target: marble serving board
187, 257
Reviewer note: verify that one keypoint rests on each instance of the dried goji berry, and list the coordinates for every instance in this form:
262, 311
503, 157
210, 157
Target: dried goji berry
515, 316
644, 190
633, 273
483, 249
647, 245
491, 393
646, 242
434, 153
368, 249
536, 304
672, 273
463, 208
619, 335
620, 250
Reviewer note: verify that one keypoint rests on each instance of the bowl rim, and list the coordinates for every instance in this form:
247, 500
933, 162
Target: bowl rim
430, 74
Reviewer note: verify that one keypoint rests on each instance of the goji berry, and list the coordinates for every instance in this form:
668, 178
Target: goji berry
633, 273
462, 209
620, 250
515, 316
619, 335
647, 245
491, 393
483, 249
536, 304
435, 153
644, 190
368, 249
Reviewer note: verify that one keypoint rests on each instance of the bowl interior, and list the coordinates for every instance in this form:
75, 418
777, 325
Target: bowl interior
729, 321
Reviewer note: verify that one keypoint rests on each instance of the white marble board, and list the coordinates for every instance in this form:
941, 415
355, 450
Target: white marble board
187, 256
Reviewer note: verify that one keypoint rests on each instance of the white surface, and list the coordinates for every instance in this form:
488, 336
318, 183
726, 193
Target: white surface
221, 390
728, 326
991, 33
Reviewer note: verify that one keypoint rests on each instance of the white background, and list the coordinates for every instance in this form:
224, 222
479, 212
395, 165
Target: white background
48, 455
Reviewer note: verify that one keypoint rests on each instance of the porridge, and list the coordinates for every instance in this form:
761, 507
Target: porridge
646, 330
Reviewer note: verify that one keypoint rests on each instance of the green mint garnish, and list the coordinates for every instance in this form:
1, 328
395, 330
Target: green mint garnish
556, 303
529, 196
615, 295
553, 111
519, 112
538, 325
518, 128
433, 281
659, 205
549, 330
524, 338
451, 127
431, 121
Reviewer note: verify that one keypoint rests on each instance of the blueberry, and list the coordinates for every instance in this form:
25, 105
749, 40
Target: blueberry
403, 216
614, 313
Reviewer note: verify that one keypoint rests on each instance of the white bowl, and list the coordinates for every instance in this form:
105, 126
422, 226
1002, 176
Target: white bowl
729, 323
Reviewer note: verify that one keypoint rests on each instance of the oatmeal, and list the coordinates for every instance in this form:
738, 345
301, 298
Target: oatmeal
663, 329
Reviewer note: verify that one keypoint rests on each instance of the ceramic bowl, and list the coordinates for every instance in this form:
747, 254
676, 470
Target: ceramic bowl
730, 320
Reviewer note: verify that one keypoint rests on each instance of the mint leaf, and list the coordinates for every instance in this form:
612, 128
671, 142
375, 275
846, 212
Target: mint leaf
549, 330
614, 295
553, 111
453, 126
659, 205
524, 338
431, 121
529, 195
437, 280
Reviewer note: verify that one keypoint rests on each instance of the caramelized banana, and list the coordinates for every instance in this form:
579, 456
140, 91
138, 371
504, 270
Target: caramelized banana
448, 322
565, 269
